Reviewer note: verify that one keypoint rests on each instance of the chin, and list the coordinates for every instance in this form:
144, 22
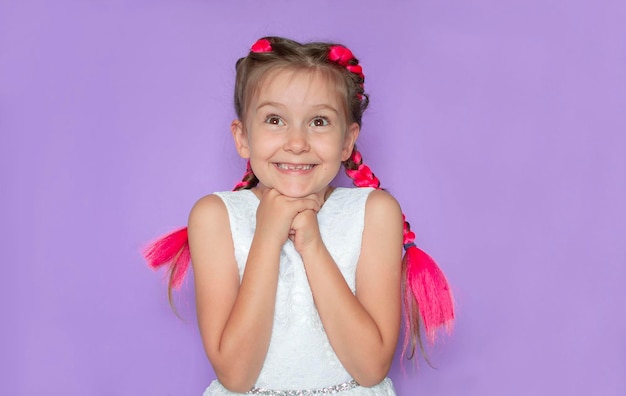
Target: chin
296, 191
293, 193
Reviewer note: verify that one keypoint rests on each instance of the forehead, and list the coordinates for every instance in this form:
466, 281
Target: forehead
300, 86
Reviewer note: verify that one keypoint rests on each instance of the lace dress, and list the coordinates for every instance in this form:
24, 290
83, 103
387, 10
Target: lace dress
300, 359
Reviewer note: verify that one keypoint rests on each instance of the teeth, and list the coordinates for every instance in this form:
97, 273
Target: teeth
294, 167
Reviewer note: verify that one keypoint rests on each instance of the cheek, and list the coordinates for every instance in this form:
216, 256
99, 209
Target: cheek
261, 142
343, 149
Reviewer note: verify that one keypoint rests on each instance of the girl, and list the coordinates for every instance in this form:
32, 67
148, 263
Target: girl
298, 284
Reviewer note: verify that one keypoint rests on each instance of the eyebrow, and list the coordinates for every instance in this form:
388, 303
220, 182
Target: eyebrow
320, 106
269, 103
327, 107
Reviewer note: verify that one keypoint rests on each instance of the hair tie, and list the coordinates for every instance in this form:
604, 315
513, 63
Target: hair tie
340, 54
343, 56
409, 236
262, 45
356, 69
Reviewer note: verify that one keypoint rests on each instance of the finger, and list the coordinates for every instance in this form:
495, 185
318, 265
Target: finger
316, 198
307, 204
304, 219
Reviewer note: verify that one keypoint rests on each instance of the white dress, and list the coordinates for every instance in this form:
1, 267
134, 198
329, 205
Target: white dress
300, 359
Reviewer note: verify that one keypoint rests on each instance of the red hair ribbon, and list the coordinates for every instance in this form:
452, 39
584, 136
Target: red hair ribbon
262, 45
356, 69
363, 177
428, 285
172, 249
340, 54
244, 184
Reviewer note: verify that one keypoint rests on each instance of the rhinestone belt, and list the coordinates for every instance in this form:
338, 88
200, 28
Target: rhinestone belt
307, 392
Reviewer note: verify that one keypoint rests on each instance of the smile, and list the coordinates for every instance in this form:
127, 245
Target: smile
294, 167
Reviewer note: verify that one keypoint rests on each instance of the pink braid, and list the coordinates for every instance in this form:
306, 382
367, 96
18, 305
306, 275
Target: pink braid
427, 296
172, 249
248, 180
361, 174
344, 57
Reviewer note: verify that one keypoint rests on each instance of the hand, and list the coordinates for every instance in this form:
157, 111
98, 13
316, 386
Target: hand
305, 231
276, 214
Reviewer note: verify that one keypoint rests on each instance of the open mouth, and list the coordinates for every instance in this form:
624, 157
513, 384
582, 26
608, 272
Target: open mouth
295, 167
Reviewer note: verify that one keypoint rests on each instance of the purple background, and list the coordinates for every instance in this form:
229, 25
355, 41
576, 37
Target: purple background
499, 126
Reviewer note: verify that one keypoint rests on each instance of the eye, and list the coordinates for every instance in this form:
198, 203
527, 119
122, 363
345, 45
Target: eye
320, 121
274, 120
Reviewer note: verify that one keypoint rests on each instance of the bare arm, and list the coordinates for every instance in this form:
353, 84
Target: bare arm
362, 329
235, 319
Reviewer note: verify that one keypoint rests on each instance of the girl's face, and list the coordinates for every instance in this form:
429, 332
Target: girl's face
295, 132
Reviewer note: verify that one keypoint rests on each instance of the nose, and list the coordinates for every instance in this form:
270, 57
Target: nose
297, 140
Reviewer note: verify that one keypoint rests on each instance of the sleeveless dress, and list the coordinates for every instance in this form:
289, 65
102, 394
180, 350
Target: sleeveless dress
300, 359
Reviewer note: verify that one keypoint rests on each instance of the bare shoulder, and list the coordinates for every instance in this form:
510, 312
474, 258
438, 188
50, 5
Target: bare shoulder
381, 204
382, 232
208, 208
209, 231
